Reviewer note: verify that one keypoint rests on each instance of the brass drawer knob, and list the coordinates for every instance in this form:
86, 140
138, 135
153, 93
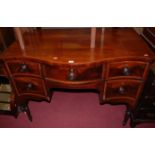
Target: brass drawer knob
29, 86
121, 90
71, 74
126, 71
24, 68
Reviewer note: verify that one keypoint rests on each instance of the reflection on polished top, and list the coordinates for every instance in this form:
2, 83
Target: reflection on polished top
72, 46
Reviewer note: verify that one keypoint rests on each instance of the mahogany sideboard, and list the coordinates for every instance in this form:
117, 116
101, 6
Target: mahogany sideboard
117, 70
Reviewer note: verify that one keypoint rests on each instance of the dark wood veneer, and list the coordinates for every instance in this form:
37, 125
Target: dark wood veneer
122, 88
18, 67
133, 69
116, 70
30, 85
78, 72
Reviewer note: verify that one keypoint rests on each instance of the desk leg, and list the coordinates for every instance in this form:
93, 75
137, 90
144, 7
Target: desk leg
24, 108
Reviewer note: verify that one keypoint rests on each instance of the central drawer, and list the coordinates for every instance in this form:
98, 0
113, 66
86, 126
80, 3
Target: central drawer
73, 73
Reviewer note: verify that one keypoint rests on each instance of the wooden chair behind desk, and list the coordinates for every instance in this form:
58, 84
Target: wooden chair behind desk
92, 37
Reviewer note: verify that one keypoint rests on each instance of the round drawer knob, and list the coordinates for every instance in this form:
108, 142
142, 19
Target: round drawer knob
23, 68
126, 71
71, 74
121, 90
29, 86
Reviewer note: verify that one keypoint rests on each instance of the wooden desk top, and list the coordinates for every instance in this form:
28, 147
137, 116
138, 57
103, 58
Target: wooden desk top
64, 45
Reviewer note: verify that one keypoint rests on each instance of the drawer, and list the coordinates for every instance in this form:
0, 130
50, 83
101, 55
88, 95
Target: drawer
6, 101
29, 85
122, 88
5, 88
5, 107
126, 69
73, 73
25, 66
5, 97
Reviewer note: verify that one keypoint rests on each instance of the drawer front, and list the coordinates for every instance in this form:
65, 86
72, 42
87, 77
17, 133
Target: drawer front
5, 107
26, 67
29, 85
73, 73
126, 69
6, 101
122, 88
